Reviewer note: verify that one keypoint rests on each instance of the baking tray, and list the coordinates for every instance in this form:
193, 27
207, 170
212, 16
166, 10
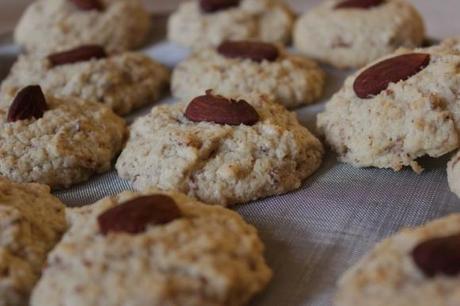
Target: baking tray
314, 234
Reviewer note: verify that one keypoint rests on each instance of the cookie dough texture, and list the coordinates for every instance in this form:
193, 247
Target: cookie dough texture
122, 82
352, 38
208, 257
72, 141
220, 164
292, 80
411, 119
56, 25
266, 20
31, 223
389, 276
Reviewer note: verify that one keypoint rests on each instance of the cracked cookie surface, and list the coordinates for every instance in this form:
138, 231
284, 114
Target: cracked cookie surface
220, 164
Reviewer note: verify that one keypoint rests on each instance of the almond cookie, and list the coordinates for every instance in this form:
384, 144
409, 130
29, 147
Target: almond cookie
220, 151
396, 110
56, 25
353, 33
245, 67
204, 23
153, 249
418, 266
31, 223
54, 141
123, 82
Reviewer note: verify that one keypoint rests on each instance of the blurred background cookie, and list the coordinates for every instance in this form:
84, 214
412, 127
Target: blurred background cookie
55, 25
204, 23
122, 82
245, 67
353, 33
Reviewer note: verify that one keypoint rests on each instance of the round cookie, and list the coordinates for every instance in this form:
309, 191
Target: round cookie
414, 267
200, 24
292, 80
184, 253
253, 152
123, 82
58, 142
31, 223
373, 122
351, 37
55, 25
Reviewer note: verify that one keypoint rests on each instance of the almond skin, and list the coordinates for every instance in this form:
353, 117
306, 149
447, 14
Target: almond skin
80, 54
30, 102
134, 216
217, 109
439, 256
377, 78
88, 5
212, 6
359, 4
255, 51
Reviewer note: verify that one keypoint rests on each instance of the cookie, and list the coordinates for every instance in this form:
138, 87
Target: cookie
417, 266
122, 82
207, 23
220, 151
54, 141
353, 33
55, 25
396, 110
154, 249
31, 223
245, 67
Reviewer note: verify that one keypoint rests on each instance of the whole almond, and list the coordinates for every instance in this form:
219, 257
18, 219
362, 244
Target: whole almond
359, 4
211, 6
376, 79
135, 215
88, 5
217, 109
80, 54
255, 51
439, 256
30, 102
